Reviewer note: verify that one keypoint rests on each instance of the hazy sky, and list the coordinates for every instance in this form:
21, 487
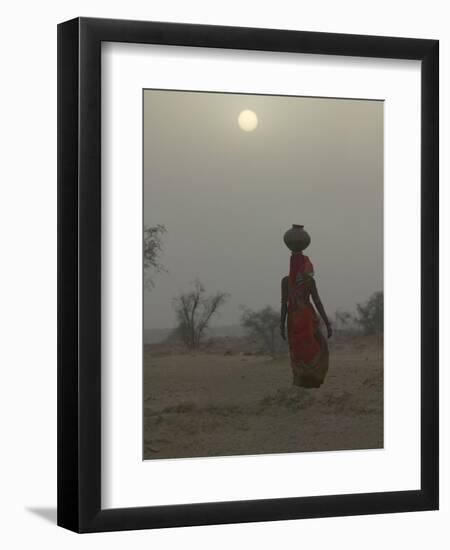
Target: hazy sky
227, 196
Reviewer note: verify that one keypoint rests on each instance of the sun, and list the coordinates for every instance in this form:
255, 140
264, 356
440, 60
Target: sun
247, 120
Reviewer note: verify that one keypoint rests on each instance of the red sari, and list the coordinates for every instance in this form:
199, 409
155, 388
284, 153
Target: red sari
307, 346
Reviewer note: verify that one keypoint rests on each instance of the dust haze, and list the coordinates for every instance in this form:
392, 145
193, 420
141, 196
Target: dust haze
227, 196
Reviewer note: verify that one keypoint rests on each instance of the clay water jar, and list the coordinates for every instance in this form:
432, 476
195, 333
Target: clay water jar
296, 238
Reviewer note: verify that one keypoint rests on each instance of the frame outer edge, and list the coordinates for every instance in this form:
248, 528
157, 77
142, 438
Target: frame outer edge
67, 369
79, 275
89, 273
430, 276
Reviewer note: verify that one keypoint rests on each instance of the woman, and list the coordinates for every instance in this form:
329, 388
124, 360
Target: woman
307, 346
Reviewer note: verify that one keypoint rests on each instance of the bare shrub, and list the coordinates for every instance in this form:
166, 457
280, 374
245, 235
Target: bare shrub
152, 252
194, 310
264, 325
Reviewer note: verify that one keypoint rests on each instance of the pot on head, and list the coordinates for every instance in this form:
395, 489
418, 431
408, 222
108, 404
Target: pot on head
296, 238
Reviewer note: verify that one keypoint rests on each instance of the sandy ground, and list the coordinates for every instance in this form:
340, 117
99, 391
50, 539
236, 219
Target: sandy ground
207, 404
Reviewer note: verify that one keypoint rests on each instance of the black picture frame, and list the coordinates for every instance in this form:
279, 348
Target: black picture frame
79, 274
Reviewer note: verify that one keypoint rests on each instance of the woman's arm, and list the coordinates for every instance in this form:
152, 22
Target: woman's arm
319, 306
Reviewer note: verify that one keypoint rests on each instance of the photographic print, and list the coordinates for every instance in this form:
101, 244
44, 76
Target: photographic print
263, 274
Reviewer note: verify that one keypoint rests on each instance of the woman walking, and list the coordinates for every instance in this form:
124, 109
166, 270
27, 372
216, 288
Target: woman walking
308, 347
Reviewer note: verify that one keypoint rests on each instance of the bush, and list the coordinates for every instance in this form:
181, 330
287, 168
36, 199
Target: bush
194, 311
369, 314
264, 325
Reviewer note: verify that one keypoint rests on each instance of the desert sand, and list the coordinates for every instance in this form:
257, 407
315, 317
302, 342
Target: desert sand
212, 403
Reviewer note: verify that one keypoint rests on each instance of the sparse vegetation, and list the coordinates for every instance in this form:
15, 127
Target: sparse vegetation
152, 253
370, 314
264, 326
368, 317
343, 320
194, 310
